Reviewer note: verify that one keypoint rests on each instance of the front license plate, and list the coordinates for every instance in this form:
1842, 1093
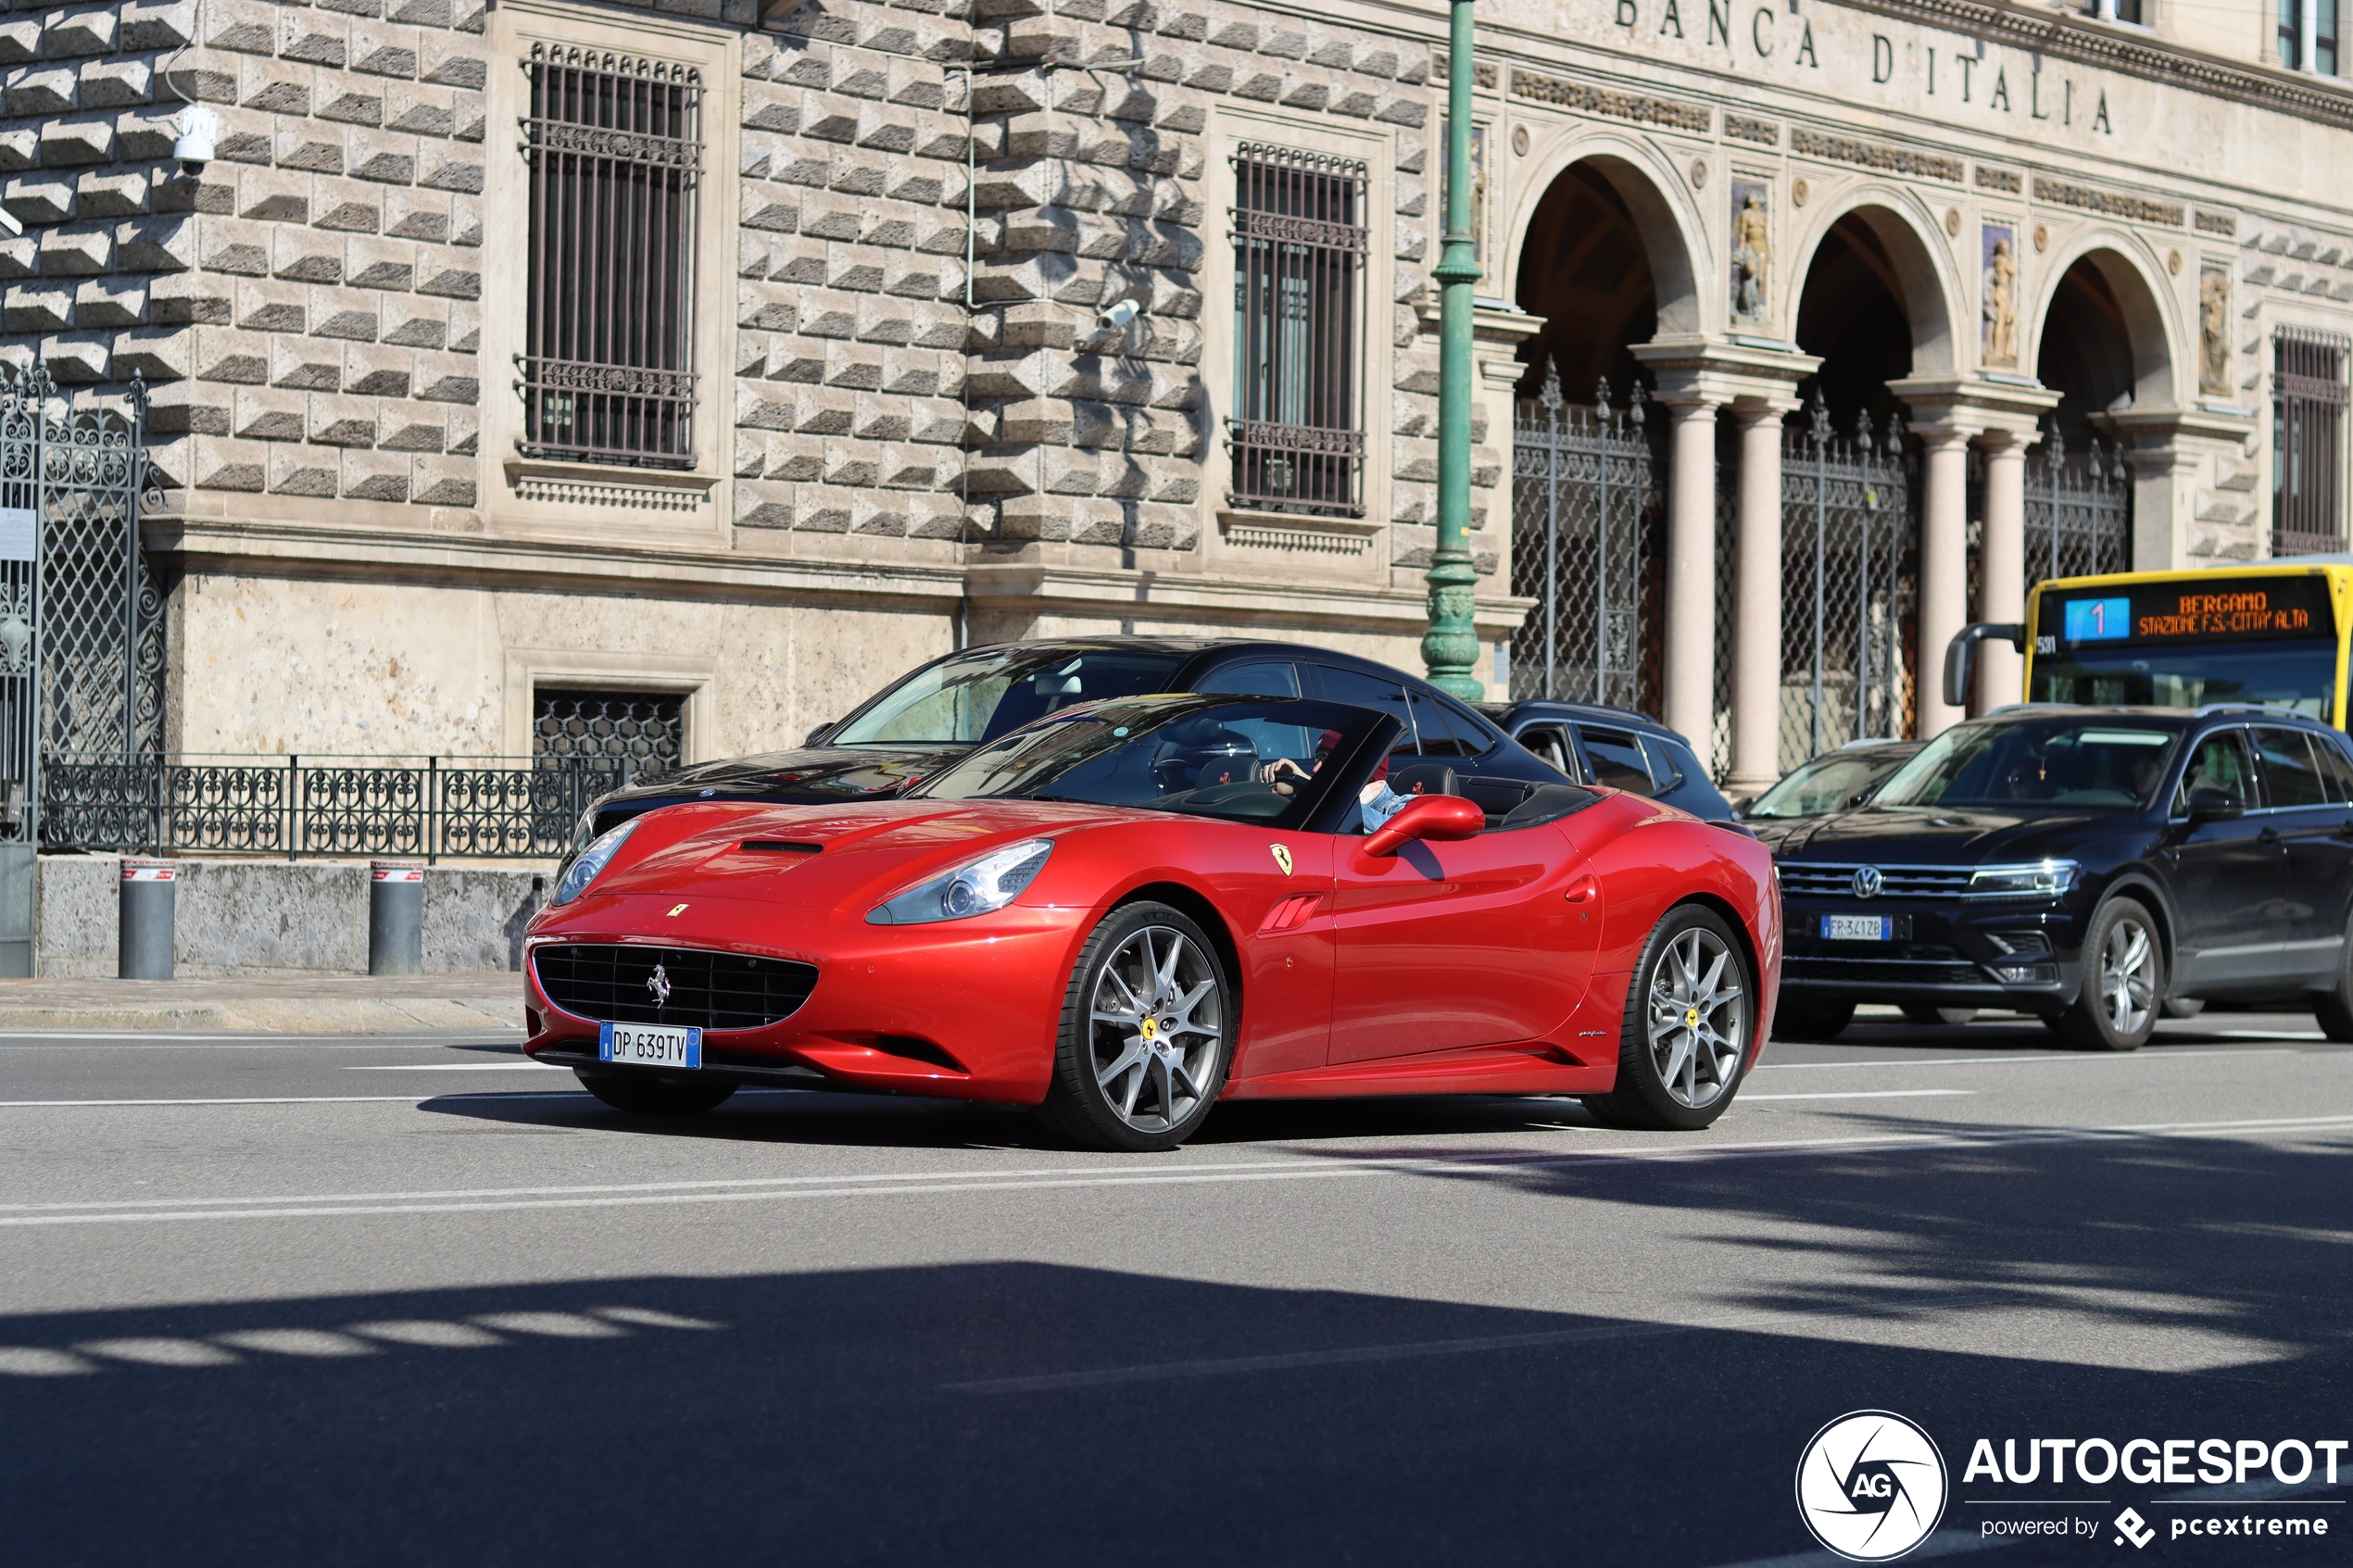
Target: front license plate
650, 1045
1859, 928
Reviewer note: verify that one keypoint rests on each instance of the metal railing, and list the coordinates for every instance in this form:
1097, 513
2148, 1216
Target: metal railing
465, 808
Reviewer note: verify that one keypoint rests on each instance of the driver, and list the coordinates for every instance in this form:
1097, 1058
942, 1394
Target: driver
1286, 775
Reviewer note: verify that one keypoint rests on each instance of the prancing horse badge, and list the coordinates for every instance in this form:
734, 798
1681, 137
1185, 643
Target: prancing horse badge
1282, 857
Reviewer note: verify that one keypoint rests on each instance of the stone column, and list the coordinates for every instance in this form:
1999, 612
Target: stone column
1943, 606
1689, 702
1757, 615
2001, 566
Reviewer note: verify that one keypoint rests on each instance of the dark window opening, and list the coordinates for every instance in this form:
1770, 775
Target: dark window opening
615, 149
1297, 435
638, 733
2309, 398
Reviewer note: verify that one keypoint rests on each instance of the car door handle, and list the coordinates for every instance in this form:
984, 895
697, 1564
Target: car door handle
1582, 890
2269, 835
2345, 830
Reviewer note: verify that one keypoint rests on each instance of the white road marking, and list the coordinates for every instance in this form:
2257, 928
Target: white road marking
882, 1184
284, 1100
2036, 1060
524, 1066
1859, 1094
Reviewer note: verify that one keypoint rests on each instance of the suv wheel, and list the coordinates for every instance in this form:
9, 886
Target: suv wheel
2123, 984
2334, 1008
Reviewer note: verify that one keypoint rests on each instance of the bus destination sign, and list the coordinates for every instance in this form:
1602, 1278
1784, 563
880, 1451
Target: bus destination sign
2218, 609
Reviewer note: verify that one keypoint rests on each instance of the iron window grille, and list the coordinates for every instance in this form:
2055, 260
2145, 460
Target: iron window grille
643, 733
2308, 400
1297, 436
615, 148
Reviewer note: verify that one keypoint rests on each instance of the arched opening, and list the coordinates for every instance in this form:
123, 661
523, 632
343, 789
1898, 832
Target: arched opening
1585, 270
2086, 352
1852, 313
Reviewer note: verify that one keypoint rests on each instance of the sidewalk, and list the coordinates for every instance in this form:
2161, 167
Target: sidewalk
302, 1004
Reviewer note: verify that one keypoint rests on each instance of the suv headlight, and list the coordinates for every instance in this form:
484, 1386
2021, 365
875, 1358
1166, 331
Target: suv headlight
2044, 879
975, 887
593, 859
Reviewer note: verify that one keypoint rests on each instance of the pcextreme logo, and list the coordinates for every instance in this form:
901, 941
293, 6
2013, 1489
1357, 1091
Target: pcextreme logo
1871, 1485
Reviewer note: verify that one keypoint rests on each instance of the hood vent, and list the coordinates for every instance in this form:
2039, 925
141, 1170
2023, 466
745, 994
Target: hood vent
779, 846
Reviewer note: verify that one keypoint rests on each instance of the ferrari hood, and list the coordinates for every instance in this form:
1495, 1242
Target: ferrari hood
813, 773
819, 856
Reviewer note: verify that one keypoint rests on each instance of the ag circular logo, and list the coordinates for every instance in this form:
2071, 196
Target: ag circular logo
1871, 1485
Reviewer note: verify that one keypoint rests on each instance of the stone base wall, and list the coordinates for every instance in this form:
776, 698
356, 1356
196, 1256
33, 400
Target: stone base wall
261, 917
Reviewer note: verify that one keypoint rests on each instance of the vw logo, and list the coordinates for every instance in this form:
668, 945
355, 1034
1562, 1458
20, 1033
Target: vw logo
1868, 882
659, 984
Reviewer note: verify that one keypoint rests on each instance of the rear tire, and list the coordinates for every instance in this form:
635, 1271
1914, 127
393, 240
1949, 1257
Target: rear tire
2123, 991
651, 1096
1148, 1031
2334, 1008
1929, 1013
1812, 1021
1690, 1017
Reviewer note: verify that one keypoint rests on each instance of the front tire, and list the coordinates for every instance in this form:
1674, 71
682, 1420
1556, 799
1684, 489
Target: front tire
2334, 1008
1690, 1019
1148, 1030
650, 1096
2123, 986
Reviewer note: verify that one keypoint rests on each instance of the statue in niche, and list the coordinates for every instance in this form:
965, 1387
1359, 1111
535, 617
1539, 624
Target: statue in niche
1752, 249
2000, 298
2214, 331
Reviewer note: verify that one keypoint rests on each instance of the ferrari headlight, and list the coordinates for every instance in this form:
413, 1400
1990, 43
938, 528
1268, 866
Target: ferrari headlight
2044, 879
975, 887
593, 859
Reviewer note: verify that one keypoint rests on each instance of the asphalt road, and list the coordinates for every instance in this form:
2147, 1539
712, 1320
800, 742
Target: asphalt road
418, 1300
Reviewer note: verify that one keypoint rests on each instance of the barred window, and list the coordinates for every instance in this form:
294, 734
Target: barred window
615, 148
2308, 398
1296, 432
641, 732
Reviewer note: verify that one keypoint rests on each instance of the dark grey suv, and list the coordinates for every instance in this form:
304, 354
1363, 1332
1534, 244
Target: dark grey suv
2085, 864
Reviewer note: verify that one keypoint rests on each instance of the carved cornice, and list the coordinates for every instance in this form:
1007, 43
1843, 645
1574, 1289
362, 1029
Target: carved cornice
2067, 37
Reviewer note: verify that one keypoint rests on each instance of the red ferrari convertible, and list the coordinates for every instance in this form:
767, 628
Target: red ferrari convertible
1129, 910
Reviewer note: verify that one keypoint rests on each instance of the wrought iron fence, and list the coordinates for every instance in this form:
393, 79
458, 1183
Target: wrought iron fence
2079, 510
1588, 503
466, 807
1850, 583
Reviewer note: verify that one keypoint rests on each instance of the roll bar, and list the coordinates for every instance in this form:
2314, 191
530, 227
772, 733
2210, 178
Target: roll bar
1960, 654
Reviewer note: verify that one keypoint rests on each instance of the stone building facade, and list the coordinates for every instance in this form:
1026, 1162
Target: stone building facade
959, 295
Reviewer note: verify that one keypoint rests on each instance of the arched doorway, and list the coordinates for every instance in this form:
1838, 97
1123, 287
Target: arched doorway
1588, 456
1850, 543
2102, 348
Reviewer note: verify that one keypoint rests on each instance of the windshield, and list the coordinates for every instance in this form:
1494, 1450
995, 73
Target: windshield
2298, 675
1824, 786
1258, 759
2067, 763
989, 692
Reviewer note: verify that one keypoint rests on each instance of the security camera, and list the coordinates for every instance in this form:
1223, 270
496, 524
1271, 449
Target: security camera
198, 127
1116, 316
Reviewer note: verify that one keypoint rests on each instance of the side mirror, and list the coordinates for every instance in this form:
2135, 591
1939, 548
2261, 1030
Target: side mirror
2215, 806
1961, 653
817, 736
1436, 817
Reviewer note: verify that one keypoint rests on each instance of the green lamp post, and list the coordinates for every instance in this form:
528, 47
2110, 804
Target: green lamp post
1450, 648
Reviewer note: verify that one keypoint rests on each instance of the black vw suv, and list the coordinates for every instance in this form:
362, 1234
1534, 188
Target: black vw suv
2090, 865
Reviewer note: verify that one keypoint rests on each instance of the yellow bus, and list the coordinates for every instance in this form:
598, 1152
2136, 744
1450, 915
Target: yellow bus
2272, 634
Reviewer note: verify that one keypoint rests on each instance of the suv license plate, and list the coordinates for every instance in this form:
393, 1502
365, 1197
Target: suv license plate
1856, 928
650, 1045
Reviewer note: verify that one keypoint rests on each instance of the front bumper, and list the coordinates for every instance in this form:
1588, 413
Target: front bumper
1999, 954
963, 1010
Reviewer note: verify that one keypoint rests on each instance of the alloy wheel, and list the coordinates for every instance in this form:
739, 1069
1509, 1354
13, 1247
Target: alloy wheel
1157, 1022
1698, 1018
2128, 969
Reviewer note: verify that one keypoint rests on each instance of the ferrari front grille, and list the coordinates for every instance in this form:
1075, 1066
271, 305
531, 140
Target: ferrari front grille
614, 983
